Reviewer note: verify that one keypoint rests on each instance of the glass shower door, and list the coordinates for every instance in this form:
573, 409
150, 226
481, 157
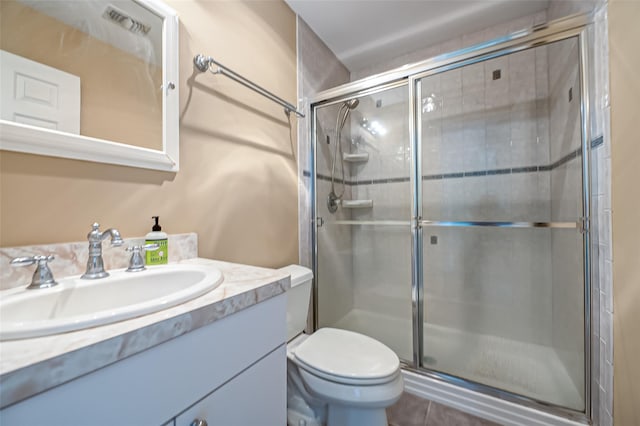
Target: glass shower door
364, 246
502, 203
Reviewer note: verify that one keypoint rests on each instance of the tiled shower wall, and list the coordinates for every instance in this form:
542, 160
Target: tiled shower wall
335, 243
485, 152
600, 168
382, 253
601, 243
485, 148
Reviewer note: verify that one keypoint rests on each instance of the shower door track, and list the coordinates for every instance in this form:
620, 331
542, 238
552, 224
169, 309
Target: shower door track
574, 26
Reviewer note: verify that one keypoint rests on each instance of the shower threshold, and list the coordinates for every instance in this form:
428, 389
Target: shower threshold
523, 368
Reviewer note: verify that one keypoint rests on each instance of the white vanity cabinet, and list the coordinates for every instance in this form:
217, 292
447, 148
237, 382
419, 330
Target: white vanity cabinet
244, 401
230, 372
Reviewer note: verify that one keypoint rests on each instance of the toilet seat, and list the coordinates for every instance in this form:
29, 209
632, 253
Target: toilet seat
380, 395
346, 357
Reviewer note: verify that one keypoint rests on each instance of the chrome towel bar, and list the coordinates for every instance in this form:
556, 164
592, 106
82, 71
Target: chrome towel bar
204, 63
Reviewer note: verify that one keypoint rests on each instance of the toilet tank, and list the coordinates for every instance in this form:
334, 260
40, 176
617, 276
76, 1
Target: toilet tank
298, 298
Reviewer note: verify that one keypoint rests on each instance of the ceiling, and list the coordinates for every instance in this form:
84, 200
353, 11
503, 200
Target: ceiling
365, 32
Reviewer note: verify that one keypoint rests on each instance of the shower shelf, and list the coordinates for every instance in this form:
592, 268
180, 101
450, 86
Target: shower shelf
362, 157
357, 204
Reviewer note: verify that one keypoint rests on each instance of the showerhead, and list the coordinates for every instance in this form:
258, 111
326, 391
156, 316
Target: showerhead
343, 113
352, 103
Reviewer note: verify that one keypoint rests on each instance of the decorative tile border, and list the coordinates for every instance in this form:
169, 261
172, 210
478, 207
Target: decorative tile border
490, 172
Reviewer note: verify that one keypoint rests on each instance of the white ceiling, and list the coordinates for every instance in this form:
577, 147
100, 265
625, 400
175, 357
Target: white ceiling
365, 32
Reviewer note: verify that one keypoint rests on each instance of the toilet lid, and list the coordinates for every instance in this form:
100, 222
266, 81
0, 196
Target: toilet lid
351, 356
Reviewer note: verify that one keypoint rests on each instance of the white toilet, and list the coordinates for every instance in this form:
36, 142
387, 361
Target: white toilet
335, 376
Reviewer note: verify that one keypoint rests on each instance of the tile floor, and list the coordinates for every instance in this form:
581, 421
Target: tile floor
414, 411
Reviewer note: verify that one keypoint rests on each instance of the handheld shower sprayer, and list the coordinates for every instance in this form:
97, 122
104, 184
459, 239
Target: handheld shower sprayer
341, 119
349, 105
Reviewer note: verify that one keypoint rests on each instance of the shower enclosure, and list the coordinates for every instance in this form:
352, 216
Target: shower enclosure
458, 232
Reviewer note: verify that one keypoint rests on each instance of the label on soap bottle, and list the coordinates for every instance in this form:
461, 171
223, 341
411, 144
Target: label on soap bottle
160, 256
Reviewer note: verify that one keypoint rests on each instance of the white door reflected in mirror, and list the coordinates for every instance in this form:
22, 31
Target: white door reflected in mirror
39, 95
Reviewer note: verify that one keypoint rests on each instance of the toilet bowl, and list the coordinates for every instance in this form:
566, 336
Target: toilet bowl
343, 377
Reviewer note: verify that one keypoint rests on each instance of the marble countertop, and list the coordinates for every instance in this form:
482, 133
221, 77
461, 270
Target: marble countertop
31, 366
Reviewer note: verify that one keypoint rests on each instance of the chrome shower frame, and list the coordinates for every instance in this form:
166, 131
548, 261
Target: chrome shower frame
410, 75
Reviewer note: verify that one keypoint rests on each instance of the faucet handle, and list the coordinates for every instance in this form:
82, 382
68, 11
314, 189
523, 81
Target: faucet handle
42, 277
136, 263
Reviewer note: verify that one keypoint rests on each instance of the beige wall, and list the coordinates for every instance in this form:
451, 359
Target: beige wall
237, 185
624, 36
120, 99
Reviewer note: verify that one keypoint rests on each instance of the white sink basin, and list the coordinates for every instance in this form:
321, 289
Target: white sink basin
75, 303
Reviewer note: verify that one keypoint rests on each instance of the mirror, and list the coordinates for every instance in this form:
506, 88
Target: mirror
91, 80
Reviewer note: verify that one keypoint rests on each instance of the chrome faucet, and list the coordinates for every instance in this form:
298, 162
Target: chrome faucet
95, 264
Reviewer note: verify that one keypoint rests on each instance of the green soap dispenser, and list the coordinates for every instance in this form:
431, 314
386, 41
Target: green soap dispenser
156, 236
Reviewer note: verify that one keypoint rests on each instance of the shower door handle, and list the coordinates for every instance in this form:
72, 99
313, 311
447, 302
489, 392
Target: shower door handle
583, 225
319, 222
416, 222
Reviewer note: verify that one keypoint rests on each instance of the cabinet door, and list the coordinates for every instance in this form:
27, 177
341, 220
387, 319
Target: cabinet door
256, 397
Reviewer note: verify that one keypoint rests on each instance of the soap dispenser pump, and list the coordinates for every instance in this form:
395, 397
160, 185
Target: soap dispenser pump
156, 236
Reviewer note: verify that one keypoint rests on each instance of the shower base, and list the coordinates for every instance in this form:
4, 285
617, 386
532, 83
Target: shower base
523, 368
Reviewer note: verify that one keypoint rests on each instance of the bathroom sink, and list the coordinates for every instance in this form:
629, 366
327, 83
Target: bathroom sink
76, 304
